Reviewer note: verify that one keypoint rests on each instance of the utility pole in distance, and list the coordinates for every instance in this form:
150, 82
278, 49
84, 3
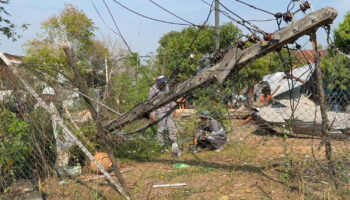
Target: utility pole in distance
217, 24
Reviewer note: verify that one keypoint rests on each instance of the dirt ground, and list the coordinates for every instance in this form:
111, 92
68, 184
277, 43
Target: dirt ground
253, 165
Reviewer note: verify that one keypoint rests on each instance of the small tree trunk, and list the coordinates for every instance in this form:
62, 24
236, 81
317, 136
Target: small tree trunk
250, 97
325, 121
83, 88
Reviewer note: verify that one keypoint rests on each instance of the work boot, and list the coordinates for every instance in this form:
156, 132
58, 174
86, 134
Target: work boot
175, 149
162, 149
194, 150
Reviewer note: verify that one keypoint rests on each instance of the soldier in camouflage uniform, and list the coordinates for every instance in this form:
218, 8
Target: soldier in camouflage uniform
211, 134
167, 123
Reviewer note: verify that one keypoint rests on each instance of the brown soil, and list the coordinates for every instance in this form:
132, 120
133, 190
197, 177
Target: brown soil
250, 167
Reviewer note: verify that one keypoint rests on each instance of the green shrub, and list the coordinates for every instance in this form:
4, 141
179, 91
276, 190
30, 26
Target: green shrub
15, 147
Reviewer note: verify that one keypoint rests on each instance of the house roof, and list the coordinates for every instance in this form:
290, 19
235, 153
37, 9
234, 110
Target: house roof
309, 54
279, 84
14, 58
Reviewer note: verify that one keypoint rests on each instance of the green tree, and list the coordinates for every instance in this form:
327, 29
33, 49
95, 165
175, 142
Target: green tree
255, 71
8, 28
336, 76
72, 27
336, 67
15, 147
342, 34
176, 46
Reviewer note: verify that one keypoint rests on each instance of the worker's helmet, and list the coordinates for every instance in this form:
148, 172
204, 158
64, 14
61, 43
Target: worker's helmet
161, 79
205, 114
48, 91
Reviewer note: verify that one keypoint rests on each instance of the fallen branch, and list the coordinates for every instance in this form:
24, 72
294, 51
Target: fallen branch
246, 120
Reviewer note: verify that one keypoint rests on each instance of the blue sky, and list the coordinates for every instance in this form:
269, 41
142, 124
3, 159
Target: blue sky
142, 34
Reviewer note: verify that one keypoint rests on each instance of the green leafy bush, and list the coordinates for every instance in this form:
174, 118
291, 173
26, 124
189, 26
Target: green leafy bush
15, 147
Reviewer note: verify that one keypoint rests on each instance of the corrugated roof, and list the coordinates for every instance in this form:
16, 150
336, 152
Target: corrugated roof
306, 111
279, 85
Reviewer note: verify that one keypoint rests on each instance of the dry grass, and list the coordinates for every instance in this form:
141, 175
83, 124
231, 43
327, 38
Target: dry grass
252, 166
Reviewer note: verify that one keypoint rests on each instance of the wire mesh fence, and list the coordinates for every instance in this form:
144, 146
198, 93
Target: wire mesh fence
284, 96
290, 98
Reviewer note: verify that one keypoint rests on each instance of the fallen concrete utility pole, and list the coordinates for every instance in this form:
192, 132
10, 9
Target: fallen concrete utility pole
233, 61
53, 112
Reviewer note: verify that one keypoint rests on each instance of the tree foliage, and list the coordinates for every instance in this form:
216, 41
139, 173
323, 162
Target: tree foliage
255, 71
15, 146
336, 67
72, 27
201, 40
8, 28
342, 34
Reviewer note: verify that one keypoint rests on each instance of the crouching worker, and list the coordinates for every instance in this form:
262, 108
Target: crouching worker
167, 122
211, 134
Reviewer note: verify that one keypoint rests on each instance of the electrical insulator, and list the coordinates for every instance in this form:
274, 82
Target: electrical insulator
288, 17
268, 36
253, 38
240, 44
305, 5
278, 15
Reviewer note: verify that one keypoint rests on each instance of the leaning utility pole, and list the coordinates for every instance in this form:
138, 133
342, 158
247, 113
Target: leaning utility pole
217, 25
233, 61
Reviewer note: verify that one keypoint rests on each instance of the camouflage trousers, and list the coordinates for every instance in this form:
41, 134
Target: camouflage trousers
166, 124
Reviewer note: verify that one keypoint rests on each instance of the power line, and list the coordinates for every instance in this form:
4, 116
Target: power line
159, 20
150, 18
166, 10
206, 20
254, 7
231, 18
243, 20
103, 19
117, 26
120, 34
196, 36
261, 20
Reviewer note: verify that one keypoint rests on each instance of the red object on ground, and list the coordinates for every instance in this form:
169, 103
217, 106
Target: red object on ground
262, 98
